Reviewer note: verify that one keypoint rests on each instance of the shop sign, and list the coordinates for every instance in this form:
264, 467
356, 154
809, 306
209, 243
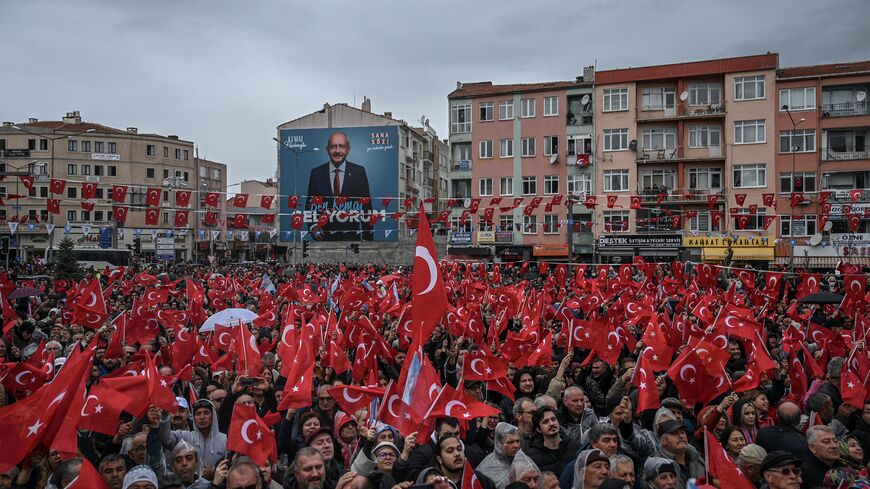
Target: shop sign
460, 237
639, 241
550, 250
724, 242
485, 237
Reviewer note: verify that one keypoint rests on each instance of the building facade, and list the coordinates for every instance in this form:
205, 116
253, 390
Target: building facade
686, 160
79, 152
259, 242
514, 149
823, 124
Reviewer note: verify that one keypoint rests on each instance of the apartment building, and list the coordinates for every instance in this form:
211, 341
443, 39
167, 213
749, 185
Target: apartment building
823, 124
78, 152
258, 241
513, 146
685, 161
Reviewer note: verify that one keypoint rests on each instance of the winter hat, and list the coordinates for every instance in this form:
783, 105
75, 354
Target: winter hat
140, 473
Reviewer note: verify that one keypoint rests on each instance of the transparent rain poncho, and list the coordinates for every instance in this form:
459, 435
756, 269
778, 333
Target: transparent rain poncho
497, 465
521, 466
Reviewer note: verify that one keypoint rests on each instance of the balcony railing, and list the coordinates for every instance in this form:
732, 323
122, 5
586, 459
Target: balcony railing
683, 153
681, 111
845, 153
679, 196
845, 196
461, 165
847, 109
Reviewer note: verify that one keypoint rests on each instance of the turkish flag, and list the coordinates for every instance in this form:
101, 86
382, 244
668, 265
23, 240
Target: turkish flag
740, 199
852, 388
151, 217
90, 307
88, 206
854, 195
250, 435
854, 222
323, 219
181, 219
297, 390
722, 467
266, 201
810, 284
268, 218
487, 214
768, 220
119, 193
240, 200
644, 379
742, 221
88, 478
211, 218
24, 378
768, 199
89, 190
53, 206
249, 360
481, 366
611, 201
351, 398
335, 357
211, 199
636, 201
292, 201
182, 198
119, 214
57, 186
152, 197
823, 221
240, 221
796, 199
296, 221
590, 202
394, 412
715, 219
733, 321
542, 355
102, 409
854, 286
429, 297
712, 199
27, 181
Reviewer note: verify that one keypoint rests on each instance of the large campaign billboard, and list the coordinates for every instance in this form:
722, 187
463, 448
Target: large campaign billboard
340, 187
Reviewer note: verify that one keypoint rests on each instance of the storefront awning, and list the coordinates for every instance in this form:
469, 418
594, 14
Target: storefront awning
756, 253
823, 261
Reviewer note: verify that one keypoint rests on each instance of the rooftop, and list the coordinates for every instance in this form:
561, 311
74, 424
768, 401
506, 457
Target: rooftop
768, 61
74, 127
480, 89
830, 70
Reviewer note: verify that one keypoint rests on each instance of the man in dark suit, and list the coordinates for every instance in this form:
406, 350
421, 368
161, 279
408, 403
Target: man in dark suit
339, 177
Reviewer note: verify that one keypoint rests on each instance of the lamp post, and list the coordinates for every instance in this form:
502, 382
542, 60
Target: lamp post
296, 154
791, 225
51, 164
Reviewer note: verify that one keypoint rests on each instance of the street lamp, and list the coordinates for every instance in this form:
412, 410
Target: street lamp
51, 173
791, 225
296, 153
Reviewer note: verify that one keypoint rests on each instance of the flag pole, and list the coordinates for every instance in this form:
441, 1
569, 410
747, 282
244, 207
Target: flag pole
706, 457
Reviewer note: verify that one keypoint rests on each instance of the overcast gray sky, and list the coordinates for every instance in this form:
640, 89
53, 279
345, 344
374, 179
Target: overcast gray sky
225, 73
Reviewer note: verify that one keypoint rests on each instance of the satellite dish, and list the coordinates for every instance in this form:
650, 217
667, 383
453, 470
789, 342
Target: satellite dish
828, 226
632, 145
861, 96
466, 202
554, 158
684, 95
815, 239
584, 100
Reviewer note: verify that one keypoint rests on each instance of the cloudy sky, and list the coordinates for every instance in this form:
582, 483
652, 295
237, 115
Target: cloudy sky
225, 73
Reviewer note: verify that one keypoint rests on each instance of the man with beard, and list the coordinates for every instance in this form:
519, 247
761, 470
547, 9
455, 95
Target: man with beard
548, 449
210, 443
450, 460
307, 471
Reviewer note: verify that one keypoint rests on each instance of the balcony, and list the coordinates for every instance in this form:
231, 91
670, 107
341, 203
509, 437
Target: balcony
845, 153
461, 165
679, 196
844, 196
847, 109
682, 111
428, 156
680, 153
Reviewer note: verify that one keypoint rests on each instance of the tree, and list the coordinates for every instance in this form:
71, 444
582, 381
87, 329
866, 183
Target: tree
66, 266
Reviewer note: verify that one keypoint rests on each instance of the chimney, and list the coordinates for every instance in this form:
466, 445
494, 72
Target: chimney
326, 106
459, 85
172, 136
388, 115
73, 117
132, 130
367, 104
589, 74
32, 120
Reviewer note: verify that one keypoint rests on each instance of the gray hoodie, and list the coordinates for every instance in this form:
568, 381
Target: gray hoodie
211, 449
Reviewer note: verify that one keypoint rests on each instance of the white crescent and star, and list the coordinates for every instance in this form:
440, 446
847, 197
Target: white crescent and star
684, 369
474, 369
247, 424
423, 253
350, 399
450, 405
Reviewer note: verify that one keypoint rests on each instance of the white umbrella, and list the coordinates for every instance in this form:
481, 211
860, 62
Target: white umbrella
228, 317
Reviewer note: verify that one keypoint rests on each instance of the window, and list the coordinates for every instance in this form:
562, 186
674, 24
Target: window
656, 180
86, 146
113, 147
530, 185
749, 87
803, 182
747, 176
506, 186
615, 180
460, 118
551, 224
659, 138
98, 147
165, 196
177, 153
71, 192
803, 141
99, 193
580, 184
149, 173
803, 225
485, 148
165, 173
551, 184
72, 145
702, 223
86, 216
615, 99
705, 136
551, 106
485, 111
37, 144
528, 147
43, 215
70, 215
616, 221
705, 178
185, 155
72, 169
756, 221
656, 98
530, 224
797, 98
86, 169
98, 170
615, 139
151, 150
528, 108
166, 151
186, 176
551, 145
506, 222
749, 132
98, 215
506, 110
485, 187
43, 192
705, 94
506, 148
113, 171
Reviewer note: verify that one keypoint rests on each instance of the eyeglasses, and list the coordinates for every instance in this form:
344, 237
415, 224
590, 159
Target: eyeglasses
387, 456
788, 471
324, 399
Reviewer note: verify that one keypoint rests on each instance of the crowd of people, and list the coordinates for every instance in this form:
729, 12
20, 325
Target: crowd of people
782, 406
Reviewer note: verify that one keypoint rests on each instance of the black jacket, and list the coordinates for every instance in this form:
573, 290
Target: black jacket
550, 459
784, 438
813, 472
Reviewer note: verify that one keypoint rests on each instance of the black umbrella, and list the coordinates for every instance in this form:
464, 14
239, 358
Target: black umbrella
23, 292
822, 298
